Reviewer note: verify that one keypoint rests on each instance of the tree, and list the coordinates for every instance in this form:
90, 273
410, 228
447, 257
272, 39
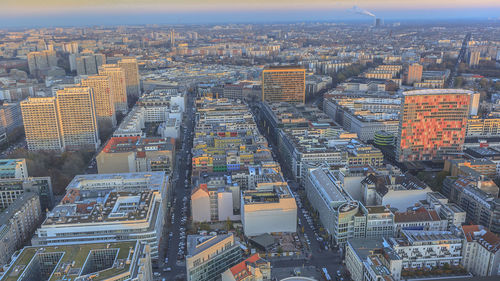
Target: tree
280, 250
484, 83
497, 86
105, 130
229, 224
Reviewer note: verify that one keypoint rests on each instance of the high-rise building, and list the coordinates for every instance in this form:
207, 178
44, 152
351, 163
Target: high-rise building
77, 118
131, 69
284, 84
118, 86
87, 63
41, 125
41, 60
104, 105
414, 73
11, 121
172, 38
71, 48
432, 124
474, 57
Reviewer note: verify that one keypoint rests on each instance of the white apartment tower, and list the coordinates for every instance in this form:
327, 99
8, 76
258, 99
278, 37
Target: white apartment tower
131, 69
104, 105
77, 118
41, 124
118, 85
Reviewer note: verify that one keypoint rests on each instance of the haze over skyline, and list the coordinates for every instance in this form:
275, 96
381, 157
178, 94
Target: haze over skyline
72, 12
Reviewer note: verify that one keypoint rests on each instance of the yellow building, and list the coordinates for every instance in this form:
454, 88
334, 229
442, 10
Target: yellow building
41, 124
483, 127
284, 84
365, 155
104, 106
414, 73
386, 75
118, 85
77, 118
131, 69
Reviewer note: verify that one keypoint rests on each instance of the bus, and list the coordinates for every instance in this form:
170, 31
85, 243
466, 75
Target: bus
325, 274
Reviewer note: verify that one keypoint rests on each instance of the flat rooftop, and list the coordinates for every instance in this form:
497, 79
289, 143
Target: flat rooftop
329, 188
8, 167
437, 92
152, 180
199, 243
135, 143
74, 258
428, 236
111, 207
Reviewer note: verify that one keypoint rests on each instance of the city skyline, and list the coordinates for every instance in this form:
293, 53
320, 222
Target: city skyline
225, 140
113, 12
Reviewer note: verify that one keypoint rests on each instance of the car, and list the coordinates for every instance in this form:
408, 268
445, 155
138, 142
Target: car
166, 260
156, 274
168, 269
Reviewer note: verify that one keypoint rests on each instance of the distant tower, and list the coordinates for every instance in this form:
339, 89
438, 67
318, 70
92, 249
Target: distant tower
379, 22
284, 84
172, 38
474, 57
104, 105
414, 73
118, 85
131, 69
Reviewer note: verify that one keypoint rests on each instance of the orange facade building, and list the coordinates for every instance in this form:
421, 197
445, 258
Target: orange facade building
284, 84
432, 124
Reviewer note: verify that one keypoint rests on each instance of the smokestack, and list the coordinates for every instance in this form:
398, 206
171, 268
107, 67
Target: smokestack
360, 11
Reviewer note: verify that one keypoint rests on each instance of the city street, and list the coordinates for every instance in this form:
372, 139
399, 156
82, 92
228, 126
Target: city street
319, 257
169, 245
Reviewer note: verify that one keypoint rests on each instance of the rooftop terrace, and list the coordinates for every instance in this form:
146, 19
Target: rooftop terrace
69, 262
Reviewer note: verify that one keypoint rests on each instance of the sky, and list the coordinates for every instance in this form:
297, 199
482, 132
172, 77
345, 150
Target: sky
91, 12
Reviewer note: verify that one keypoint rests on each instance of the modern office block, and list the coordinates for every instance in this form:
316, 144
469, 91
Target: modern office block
432, 124
271, 208
284, 83
209, 256
123, 260
108, 208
